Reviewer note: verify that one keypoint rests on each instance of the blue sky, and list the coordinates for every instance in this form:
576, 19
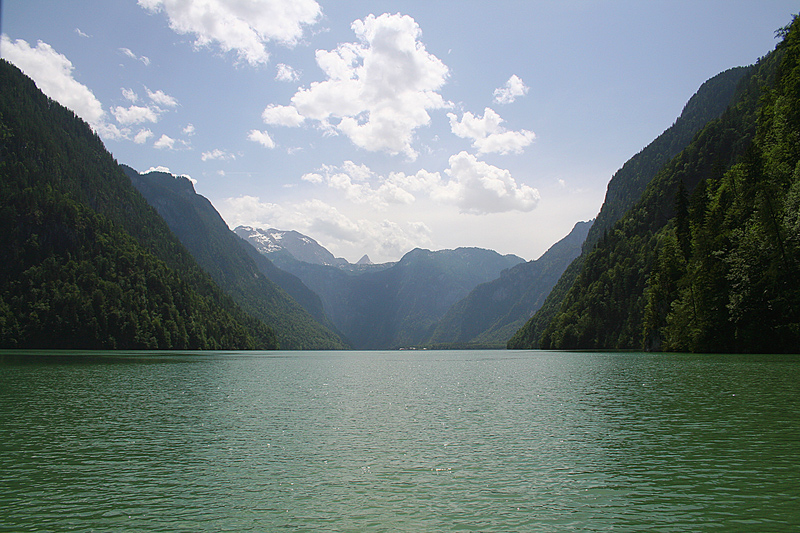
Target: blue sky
376, 127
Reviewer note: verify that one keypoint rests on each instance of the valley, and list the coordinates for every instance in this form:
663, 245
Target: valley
695, 248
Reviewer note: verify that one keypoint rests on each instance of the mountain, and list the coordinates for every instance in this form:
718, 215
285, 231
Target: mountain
394, 304
252, 281
296, 244
495, 310
88, 264
429, 283
629, 182
707, 260
287, 247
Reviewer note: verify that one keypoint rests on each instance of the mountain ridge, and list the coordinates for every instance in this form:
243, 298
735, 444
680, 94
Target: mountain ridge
301, 247
394, 305
89, 264
286, 246
247, 278
628, 184
493, 311
706, 260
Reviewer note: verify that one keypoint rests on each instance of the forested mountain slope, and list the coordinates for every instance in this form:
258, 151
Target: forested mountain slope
708, 259
494, 310
228, 260
87, 262
629, 182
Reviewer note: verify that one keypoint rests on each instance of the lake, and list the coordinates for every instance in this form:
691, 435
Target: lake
399, 441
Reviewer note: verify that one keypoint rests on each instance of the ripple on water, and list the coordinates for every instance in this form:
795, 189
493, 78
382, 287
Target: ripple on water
490, 441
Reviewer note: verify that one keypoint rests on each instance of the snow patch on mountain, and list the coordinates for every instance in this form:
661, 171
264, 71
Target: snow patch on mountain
299, 246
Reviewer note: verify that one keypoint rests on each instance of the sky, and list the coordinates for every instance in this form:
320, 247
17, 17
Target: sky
376, 127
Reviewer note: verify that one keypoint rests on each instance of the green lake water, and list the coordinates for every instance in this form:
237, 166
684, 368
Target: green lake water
399, 441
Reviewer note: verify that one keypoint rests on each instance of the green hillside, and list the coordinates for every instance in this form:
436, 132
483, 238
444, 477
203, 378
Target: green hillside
630, 181
707, 260
226, 258
87, 262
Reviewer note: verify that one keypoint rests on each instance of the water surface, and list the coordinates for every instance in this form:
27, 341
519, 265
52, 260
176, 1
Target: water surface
399, 441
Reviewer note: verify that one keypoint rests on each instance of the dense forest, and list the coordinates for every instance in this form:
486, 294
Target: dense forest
707, 259
628, 184
250, 278
87, 262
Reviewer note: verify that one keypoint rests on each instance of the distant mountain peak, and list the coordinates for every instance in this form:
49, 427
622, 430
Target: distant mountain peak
365, 260
299, 246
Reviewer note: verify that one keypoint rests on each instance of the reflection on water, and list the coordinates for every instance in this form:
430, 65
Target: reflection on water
387, 441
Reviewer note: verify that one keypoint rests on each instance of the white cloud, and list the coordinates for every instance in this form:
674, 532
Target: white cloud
142, 136
505, 142
130, 95
421, 182
53, 74
488, 135
128, 52
312, 177
473, 127
261, 137
324, 219
513, 88
217, 154
281, 115
327, 224
160, 98
189, 129
479, 188
134, 114
394, 240
286, 73
159, 168
166, 170
151, 113
82, 34
251, 211
473, 186
379, 90
111, 131
243, 26
358, 172
165, 142
361, 185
